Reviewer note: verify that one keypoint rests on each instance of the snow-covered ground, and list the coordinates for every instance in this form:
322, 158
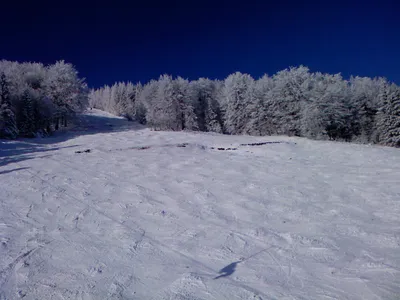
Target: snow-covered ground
162, 215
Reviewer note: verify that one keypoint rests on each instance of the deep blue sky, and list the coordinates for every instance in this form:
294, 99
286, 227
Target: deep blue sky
139, 40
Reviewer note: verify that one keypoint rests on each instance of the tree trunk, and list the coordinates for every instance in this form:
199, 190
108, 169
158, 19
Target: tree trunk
48, 128
183, 121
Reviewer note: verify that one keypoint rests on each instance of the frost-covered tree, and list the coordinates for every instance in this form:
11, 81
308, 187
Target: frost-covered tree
260, 108
292, 102
237, 94
206, 106
106, 100
149, 100
184, 95
327, 114
364, 101
93, 98
213, 114
122, 99
4, 90
44, 114
199, 91
138, 104
169, 116
55, 91
27, 115
8, 124
119, 99
169, 104
388, 116
68, 92
289, 94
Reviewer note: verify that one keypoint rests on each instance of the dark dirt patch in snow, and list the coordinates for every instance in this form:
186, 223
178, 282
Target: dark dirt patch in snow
185, 145
222, 149
261, 144
182, 145
84, 151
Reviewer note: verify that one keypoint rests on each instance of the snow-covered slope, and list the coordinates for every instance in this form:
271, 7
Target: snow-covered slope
166, 215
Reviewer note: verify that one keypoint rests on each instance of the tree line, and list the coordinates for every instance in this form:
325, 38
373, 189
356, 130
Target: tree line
37, 99
293, 102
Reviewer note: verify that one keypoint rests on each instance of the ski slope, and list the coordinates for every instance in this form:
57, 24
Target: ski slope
166, 215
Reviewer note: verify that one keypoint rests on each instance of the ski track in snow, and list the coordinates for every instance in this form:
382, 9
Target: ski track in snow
163, 215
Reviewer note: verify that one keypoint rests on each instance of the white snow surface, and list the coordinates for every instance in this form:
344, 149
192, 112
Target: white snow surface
299, 219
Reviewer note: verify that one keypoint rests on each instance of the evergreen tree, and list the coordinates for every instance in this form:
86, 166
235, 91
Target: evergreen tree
206, 107
139, 106
27, 116
364, 102
213, 118
148, 99
4, 90
169, 107
8, 124
388, 124
184, 96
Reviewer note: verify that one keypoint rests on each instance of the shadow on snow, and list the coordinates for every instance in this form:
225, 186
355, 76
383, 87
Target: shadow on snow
228, 270
20, 150
86, 124
231, 268
12, 170
89, 124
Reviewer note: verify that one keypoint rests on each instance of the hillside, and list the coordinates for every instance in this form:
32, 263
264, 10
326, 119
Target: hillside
113, 210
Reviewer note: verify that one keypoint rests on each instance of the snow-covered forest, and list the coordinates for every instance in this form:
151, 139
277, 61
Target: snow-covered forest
116, 210
37, 99
294, 102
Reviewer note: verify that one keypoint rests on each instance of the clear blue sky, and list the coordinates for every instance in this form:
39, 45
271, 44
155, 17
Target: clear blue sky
140, 40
